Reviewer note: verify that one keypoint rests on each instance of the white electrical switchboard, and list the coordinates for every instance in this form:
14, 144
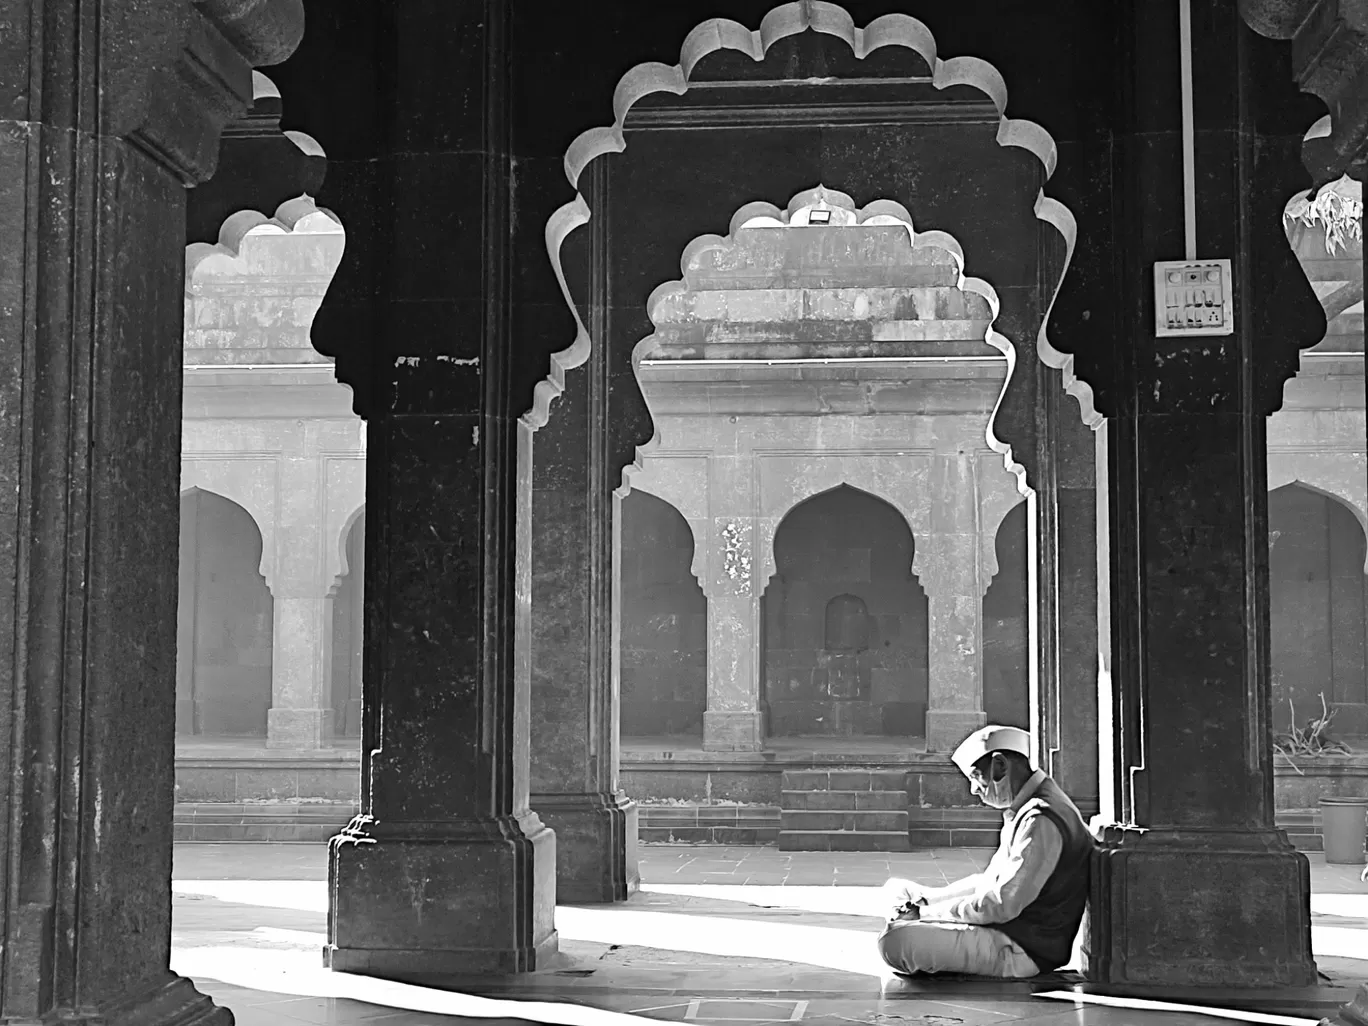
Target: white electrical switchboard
1192, 297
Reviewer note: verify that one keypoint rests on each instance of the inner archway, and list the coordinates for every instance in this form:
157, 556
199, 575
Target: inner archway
1317, 600
844, 644
664, 624
224, 623
1006, 627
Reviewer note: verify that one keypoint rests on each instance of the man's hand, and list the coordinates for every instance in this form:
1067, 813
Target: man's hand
906, 899
910, 912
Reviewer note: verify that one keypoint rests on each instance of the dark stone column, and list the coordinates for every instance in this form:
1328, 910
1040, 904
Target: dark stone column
1195, 885
574, 704
574, 690
107, 111
1066, 593
446, 870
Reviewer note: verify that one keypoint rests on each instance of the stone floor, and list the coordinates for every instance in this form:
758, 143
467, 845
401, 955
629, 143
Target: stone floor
731, 936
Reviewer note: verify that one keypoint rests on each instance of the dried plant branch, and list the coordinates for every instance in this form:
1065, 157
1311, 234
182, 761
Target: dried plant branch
1338, 206
1313, 739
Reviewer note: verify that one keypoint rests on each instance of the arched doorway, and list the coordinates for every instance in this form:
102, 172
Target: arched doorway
844, 645
1317, 590
663, 649
224, 622
348, 606
1006, 630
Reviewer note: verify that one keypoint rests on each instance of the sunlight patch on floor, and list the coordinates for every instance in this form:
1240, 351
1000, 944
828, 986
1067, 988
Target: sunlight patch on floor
827, 947
849, 901
298, 973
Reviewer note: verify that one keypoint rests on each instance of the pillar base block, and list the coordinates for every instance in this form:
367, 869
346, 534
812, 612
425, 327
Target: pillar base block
298, 728
733, 731
596, 845
174, 1003
1194, 908
412, 901
946, 728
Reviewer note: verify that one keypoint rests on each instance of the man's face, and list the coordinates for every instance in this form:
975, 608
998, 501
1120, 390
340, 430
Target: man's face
995, 794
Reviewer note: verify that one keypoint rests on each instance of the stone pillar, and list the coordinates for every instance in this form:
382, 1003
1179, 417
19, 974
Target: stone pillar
574, 715
1194, 884
1064, 719
302, 636
948, 566
732, 722
101, 131
446, 870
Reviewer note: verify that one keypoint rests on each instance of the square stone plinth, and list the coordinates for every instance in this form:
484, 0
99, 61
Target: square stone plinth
733, 731
298, 728
596, 845
1187, 909
946, 728
442, 899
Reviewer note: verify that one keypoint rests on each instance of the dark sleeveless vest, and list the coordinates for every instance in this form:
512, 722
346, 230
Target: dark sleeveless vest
1046, 928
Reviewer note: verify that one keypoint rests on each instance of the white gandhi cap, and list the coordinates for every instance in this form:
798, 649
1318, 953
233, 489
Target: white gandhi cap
990, 739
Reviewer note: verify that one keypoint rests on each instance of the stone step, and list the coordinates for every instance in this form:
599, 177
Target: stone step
844, 780
843, 840
843, 800
806, 821
942, 836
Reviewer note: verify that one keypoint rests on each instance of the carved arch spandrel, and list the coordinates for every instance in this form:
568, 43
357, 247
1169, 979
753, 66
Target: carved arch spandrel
336, 564
996, 503
786, 20
253, 492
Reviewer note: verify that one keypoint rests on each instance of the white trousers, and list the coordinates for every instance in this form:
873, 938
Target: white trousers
935, 946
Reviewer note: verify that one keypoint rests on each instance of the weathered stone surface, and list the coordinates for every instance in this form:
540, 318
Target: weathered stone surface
1066, 552
1189, 768
107, 111
420, 320
1252, 933
574, 703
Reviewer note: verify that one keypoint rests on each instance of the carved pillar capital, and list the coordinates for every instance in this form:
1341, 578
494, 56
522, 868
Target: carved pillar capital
174, 102
1329, 52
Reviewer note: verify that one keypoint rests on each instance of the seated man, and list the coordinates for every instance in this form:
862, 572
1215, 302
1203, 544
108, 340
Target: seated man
1019, 917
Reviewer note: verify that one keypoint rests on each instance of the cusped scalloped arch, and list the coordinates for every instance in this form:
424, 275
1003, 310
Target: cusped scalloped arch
677, 497
1313, 478
216, 479
826, 476
880, 211
789, 19
298, 216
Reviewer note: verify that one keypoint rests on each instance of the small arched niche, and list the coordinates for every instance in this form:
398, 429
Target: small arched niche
224, 622
663, 646
844, 646
1006, 628
347, 632
1317, 602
